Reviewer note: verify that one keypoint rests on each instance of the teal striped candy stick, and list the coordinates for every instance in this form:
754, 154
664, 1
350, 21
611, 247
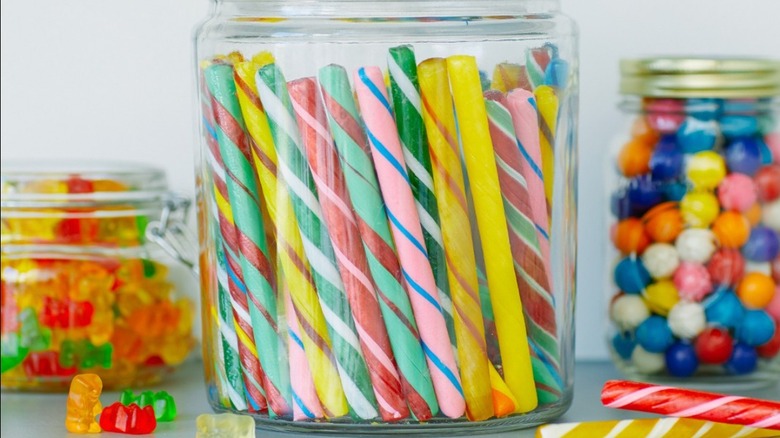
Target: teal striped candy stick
383, 264
405, 91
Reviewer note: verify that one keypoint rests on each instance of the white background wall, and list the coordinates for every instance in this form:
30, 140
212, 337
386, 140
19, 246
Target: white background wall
112, 79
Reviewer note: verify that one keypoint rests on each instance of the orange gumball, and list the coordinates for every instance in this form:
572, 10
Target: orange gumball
641, 130
756, 290
732, 229
634, 158
753, 214
664, 222
630, 236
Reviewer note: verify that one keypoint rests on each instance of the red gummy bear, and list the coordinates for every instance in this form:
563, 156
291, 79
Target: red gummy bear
67, 313
128, 419
77, 184
46, 364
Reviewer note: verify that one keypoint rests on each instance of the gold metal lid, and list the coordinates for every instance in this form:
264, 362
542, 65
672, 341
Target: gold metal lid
700, 77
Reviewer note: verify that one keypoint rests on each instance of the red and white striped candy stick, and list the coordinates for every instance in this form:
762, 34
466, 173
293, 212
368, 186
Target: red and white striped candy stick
687, 403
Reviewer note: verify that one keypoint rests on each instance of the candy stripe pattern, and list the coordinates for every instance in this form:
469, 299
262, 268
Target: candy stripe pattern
306, 404
272, 89
461, 263
547, 106
404, 90
342, 227
678, 402
488, 206
407, 231
507, 77
364, 192
650, 428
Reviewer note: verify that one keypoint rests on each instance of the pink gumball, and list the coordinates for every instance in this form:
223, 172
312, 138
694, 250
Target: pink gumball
692, 281
773, 141
737, 192
665, 115
773, 308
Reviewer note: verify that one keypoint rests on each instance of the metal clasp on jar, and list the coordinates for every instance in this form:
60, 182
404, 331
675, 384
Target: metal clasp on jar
171, 232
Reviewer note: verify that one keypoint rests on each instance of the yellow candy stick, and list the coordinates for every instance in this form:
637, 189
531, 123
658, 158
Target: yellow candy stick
669, 427
488, 204
507, 77
547, 105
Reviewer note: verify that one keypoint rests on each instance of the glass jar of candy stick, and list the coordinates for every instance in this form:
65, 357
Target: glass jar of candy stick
388, 213
695, 222
83, 288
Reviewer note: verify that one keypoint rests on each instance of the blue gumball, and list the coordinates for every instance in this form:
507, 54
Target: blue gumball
631, 276
667, 160
757, 328
696, 135
703, 109
654, 334
675, 191
743, 360
763, 245
681, 360
643, 192
723, 308
624, 344
743, 155
766, 153
557, 73
622, 207
738, 125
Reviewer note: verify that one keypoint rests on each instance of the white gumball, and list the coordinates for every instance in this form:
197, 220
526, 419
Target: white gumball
696, 245
660, 260
687, 319
770, 215
646, 362
760, 267
628, 311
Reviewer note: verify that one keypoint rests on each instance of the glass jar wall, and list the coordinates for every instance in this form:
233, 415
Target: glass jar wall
82, 288
695, 195
387, 211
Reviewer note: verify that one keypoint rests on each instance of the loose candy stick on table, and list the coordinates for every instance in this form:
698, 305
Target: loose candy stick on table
656, 428
489, 208
306, 404
272, 89
507, 77
405, 92
355, 158
688, 403
353, 266
547, 106
407, 231
456, 232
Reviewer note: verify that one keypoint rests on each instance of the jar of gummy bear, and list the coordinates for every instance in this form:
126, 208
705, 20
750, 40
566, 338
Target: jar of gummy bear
695, 223
84, 290
388, 213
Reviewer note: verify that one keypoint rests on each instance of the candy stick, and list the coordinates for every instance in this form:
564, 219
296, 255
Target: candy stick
405, 93
656, 428
688, 403
306, 405
536, 62
407, 231
507, 77
547, 105
456, 232
272, 89
353, 266
481, 166
364, 192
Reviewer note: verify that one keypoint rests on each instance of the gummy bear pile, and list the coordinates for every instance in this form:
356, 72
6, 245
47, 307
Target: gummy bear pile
696, 220
82, 291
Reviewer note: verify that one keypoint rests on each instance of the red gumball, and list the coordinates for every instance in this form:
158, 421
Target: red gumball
767, 182
714, 346
776, 269
726, 267
771, 348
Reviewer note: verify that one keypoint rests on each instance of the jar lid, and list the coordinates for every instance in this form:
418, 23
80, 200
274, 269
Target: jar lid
700, 77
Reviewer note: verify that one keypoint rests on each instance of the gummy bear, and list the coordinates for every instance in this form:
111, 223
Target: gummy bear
12, 351
163, 404
31, 334
66, 313
46, 364
131, 419
85, 355
84, 404
224, 426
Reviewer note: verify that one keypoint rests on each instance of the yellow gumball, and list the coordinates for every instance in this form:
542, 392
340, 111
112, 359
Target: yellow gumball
706, 170
661, 296
699, 209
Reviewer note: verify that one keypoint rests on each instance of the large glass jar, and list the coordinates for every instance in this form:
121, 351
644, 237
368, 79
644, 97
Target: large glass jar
388, 213
695, 195
83, 290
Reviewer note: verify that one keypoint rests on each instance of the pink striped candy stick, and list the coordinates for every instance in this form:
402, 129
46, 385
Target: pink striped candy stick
306, 404
407, 232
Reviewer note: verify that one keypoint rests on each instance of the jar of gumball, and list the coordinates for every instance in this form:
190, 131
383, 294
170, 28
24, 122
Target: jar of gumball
695, 217
84, 287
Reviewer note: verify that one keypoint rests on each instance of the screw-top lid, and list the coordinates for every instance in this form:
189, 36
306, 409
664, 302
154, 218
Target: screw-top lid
700, 77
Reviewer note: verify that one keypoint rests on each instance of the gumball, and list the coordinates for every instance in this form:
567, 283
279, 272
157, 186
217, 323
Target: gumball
767, 181
723, 308
647, 362
706, 170
624, 344
665, 115
766, 154
737, 192
630, 236
732, 229
661, 296
773, 308
634, 158
675, 191
631, 276
773, 142
756, 328
776, 269
753, 214
622, 207
743, 360
770, 215
695, 245
660, 260
726, 266
681, 359
771, 348
644, 192
686, 319
703, 109
756, 290
663, 222
654, 334
759, 267
714, 346
737, 125
762, 245
628, 311
641, 130
743, 155
666, 161
692, 281
699, 209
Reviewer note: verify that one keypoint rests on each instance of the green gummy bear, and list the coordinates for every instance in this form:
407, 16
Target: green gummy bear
32, 335
85, 354
163, 404
12, 352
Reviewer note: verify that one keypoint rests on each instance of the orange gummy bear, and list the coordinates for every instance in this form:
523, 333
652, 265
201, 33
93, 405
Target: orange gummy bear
84, 404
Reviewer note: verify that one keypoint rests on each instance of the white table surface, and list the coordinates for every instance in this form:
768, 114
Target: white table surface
43, 415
